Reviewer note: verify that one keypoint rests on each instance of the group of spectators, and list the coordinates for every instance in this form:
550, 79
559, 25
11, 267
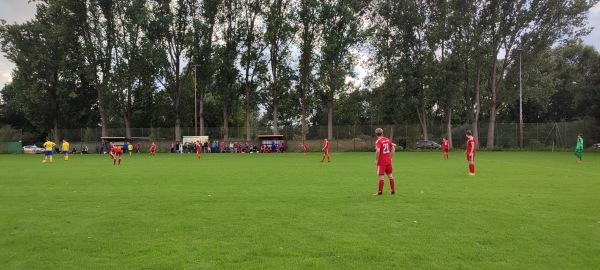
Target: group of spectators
273, 148
181, 148
226, 147
231, 147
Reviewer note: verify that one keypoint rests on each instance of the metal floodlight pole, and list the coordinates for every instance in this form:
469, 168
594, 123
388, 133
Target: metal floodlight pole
520, 102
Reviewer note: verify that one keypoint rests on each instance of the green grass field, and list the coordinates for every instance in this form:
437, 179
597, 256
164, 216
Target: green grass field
531, 210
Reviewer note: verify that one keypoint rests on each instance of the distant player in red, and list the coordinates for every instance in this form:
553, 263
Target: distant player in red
445, 147
384, 151
470, 152
198, 149
116, 152
326, 151
304, 147
153, 149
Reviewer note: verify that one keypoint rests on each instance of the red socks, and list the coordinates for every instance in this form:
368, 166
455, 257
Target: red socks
472, 168
381, 182
119, 161
114, 161
393, 185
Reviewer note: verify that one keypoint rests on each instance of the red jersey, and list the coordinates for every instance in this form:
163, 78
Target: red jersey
445, 145
116, 150
326, 145
153, 148
470, 145
304, 147
385, 147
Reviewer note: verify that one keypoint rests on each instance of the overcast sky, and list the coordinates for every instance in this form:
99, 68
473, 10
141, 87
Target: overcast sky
20, 11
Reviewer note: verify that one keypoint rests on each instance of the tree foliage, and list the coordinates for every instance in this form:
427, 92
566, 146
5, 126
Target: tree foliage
89, 63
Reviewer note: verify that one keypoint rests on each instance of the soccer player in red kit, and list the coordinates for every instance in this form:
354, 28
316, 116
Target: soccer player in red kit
304, 147
116, 152
198, 149
384, 151
445, 147
153, 149
470, 152
326, 151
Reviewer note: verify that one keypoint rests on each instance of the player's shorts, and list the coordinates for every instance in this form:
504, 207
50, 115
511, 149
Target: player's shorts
446, 150
326, 152
118, 154
48, 153
66, 152
384, 169
471, 158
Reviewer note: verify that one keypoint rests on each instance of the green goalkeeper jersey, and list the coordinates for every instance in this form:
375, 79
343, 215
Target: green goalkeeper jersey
580, 143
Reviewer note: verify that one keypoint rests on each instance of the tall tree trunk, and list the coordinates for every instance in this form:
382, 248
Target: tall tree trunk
201, 111
177, 129
303, 109
177, 121
225, 123
53, 89
275, 117
475, 126
423, 121
330, 116
493, 109
449, 127
103, 111
128, 115
274, 87
247, 110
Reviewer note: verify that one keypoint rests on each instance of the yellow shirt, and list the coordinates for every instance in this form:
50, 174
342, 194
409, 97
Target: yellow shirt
130, 147
65, 146
48, 145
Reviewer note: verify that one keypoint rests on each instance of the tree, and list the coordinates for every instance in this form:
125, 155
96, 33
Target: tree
96, 32
204, 21
530, 25
252, 58
133, 56
42, 50
172, 27
309, 29
278, 37
227, 87
342, 21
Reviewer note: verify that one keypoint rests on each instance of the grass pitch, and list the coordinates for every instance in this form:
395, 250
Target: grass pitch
289, 211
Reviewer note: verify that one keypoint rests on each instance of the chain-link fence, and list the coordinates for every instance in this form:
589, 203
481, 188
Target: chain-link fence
357, 138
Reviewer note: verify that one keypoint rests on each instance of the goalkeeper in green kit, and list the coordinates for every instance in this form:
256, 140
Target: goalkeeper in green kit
579, 148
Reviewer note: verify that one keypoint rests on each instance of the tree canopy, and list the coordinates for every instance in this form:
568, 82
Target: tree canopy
163, 63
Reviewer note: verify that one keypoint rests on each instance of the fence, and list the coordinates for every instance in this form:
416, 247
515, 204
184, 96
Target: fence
356, 138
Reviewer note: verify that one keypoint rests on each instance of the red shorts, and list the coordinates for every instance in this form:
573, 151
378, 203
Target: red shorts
384, 169
326, 152
470, 158
445, 150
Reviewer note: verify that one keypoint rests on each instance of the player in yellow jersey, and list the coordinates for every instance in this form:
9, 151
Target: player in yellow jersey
49, 145
65, 149
130, 148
